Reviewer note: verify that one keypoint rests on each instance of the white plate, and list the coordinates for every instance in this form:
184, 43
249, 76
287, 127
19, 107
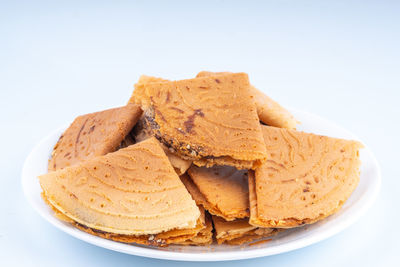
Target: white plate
356, 205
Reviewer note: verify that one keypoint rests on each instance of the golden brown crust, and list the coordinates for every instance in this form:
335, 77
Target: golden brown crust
307, 178
93, 134
205, 118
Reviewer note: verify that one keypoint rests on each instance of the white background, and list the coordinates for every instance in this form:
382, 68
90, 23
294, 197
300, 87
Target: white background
338, 59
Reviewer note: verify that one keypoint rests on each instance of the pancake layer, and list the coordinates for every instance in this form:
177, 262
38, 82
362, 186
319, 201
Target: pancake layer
92, 135
133, 191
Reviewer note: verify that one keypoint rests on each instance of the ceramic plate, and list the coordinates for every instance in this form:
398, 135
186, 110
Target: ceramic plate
361, 199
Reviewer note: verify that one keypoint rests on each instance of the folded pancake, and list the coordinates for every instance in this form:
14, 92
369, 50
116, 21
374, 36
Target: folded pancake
92, 135
132, 192
239, 231
268, 110
306, 178
140, 133
208, 120
221, 190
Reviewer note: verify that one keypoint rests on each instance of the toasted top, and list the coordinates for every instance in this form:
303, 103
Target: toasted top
268, 110
93, 135
224, 187
133, 191
213, 116
306, 176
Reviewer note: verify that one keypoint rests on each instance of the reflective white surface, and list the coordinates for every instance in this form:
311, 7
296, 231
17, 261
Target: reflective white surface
361, 199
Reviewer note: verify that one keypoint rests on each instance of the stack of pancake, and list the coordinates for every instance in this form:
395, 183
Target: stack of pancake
191, 161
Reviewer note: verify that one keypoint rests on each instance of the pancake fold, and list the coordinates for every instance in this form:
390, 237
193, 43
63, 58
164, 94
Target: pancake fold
306, 178
127, 194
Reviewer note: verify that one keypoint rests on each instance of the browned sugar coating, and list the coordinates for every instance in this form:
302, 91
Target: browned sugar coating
210, 120
268, 110
306, 178
133, 191
224, 188
92, 135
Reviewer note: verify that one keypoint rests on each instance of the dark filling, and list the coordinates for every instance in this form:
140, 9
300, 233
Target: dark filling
147, 126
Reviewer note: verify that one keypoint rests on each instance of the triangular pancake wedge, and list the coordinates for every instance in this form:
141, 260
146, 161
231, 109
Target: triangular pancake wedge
268, 110
133, 191
93, 134
306, 178
209, 120
222, 190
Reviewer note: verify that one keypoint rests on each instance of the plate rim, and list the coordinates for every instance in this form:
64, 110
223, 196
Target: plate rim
215, 255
